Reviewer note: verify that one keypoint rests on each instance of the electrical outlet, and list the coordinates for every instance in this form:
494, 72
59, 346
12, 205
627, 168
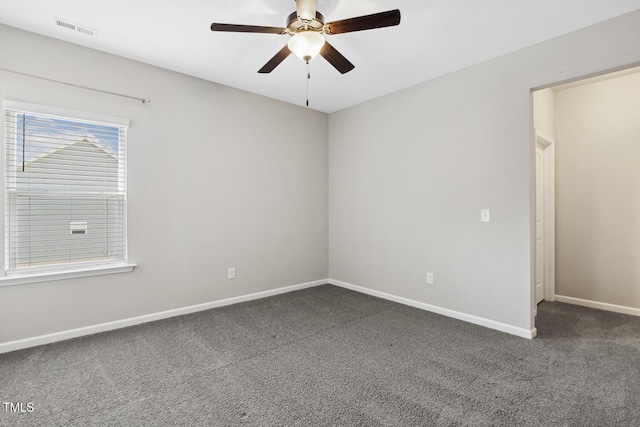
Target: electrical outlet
429, 278
231, 273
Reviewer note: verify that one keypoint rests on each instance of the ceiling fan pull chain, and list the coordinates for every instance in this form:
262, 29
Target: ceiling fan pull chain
308, 78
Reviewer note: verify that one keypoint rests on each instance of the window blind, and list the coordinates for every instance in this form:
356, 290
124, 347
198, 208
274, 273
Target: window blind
65, 190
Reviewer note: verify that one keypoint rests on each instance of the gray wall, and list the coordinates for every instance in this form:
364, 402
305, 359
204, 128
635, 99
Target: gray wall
409, 173
214, 182
598, 191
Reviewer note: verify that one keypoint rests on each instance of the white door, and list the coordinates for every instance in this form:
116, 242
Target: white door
539, 223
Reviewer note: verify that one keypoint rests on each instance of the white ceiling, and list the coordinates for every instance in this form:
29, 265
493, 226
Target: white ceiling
435, 37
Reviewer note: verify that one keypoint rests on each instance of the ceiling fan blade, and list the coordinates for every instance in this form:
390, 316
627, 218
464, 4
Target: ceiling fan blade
367, 22
276, 60
306, 9
336, 59
247, 28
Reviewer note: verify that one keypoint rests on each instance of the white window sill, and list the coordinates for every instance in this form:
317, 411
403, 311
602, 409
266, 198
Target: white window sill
67, 274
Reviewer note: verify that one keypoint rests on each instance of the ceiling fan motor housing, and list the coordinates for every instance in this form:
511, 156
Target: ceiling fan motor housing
296, 25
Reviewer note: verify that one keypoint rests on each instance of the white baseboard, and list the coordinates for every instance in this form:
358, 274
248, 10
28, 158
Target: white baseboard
492, 324
599, 305
109, 326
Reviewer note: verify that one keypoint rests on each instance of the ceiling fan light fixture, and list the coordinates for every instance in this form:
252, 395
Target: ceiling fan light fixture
306, 45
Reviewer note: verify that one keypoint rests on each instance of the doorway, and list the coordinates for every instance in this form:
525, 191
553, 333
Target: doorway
594, 175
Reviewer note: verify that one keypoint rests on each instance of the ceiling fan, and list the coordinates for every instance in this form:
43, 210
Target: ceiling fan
306, 27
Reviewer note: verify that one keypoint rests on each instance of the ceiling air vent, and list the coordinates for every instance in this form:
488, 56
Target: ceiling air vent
75, 27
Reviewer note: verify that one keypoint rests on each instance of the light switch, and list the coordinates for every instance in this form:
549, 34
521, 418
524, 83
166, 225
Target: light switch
485, 215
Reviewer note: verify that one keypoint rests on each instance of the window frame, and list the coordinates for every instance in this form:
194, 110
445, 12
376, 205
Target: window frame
72, 269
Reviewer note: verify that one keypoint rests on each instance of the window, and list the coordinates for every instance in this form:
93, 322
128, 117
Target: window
65, 190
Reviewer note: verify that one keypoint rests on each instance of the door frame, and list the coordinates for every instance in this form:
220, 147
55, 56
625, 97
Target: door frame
549, 217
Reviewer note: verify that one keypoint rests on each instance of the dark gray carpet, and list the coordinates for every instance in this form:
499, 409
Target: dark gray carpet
329, 356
